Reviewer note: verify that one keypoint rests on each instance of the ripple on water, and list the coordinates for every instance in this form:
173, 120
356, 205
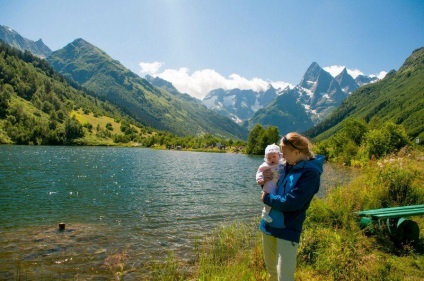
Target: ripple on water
46, 251
120, 205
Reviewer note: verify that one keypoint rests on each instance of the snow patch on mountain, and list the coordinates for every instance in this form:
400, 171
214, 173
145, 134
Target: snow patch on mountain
256, 106
319, 92
212, 102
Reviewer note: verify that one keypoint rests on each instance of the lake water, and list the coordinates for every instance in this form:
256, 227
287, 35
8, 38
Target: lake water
137, 201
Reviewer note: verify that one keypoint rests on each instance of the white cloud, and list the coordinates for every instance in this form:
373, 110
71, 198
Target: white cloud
150, 68
354, 72
380, 75
281, 85
335, 70
200, 82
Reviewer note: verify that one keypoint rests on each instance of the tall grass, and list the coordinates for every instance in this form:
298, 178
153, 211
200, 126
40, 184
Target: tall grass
332, 247
231, 253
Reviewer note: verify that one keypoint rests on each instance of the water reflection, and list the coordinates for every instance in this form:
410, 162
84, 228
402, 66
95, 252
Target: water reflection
137, 203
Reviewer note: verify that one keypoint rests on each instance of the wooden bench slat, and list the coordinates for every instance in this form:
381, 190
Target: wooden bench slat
420, 210
398, 214
394, 212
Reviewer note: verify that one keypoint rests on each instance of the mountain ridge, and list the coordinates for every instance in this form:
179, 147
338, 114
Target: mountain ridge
14, 39
398, 97
91, 67
318, 91
325, 100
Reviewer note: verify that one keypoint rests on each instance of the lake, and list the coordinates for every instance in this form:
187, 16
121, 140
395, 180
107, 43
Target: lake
115, 200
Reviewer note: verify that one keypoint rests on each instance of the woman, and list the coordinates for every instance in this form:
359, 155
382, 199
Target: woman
298, 183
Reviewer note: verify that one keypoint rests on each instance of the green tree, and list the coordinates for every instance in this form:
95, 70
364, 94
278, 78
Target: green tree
270, 136
5, 97
260, 137
73, 130
109, 126
254, 141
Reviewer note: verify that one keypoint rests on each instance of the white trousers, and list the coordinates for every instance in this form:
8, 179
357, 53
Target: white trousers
280, 258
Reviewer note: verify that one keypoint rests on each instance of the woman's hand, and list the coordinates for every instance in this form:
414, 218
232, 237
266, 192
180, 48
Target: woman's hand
263, 195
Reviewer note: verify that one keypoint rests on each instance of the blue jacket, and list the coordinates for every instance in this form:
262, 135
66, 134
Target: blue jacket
295, 189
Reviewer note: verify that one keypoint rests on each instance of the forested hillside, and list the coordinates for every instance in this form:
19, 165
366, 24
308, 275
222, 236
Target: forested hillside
39, 106
398, 98
36, 103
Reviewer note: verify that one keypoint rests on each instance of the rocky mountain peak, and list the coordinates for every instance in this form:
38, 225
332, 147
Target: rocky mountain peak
311, 76
14, 39
346, 82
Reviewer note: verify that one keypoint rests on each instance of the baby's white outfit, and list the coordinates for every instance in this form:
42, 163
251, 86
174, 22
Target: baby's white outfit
270, 186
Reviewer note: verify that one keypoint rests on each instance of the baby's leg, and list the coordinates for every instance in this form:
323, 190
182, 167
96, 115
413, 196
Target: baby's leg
267, 209
265, 213
270, 187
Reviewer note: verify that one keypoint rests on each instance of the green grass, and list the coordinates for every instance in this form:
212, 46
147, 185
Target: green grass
91, 137
231, 252
101, 121
332, 247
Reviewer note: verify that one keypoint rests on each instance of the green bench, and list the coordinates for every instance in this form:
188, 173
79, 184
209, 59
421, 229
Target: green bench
401, 230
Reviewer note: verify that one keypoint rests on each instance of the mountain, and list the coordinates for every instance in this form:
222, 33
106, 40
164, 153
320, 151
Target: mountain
12, 38
285, 112
109, 80
319, 91
346, 82
317, 94
362, 80
239, 105
399, 98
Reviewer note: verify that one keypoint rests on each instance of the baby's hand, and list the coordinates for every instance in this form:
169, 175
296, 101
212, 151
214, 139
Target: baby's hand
261, 182
268, 175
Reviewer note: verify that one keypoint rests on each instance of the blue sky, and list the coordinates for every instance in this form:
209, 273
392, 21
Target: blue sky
200, 45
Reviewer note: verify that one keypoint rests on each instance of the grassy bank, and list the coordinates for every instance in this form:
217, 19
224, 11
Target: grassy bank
333, 247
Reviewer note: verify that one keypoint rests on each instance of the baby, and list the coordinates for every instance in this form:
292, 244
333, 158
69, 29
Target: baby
273, 162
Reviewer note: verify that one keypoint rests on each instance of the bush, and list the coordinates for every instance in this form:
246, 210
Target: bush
390, 138
357, 142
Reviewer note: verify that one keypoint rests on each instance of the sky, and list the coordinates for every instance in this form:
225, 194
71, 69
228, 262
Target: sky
201, 45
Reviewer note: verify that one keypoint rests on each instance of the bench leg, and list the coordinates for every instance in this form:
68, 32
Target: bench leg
401, 230
407, 232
